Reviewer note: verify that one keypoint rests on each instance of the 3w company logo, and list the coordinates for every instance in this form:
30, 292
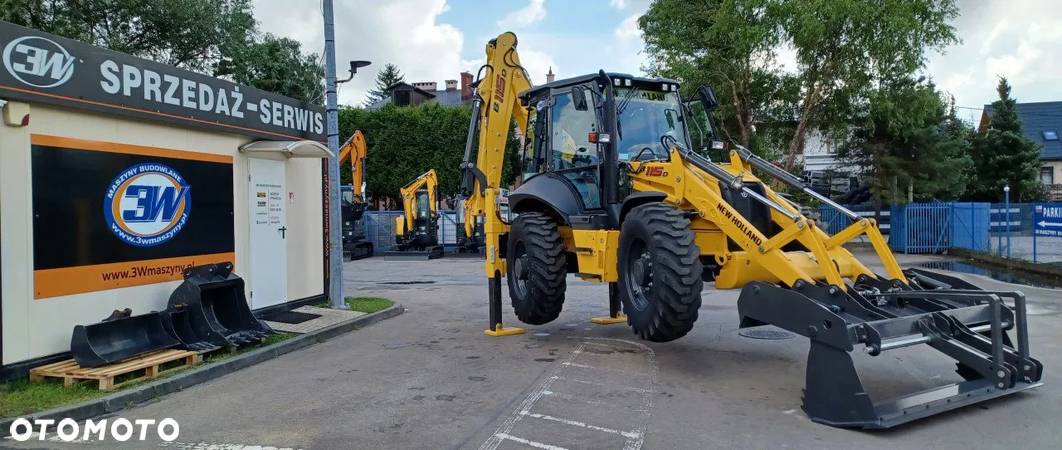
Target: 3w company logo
38, 61
147, 204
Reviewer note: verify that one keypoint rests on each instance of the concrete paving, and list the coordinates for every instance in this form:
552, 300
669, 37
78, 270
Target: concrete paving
430, 379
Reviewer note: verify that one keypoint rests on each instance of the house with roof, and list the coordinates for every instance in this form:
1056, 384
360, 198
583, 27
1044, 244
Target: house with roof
417, 93
1042, 123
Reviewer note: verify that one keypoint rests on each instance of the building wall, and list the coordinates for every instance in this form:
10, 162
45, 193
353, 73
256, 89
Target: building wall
34, 328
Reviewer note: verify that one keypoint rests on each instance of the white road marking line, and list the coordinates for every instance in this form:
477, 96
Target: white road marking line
576, 423
507, 426
606, 369
636, 444
528, 442
589, 401
635, 438
594, 383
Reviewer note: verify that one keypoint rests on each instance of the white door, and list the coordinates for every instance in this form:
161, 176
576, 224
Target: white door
269, 251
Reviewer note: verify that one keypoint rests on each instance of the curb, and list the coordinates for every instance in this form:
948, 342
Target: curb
132, 397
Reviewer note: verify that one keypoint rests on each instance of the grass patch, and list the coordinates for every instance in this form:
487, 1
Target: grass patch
20, 397
368, 304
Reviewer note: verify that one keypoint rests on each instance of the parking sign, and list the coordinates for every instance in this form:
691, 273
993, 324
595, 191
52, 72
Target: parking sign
1047, 219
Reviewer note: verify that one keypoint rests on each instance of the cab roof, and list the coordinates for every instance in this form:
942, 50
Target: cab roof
641, 82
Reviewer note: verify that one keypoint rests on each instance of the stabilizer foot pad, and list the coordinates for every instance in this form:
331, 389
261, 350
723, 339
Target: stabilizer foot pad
606, 320
500, 331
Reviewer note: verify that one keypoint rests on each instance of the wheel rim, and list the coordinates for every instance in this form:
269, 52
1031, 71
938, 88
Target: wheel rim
521, 270
639, 275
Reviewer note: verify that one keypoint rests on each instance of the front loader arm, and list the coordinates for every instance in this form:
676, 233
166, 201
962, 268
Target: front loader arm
494, 108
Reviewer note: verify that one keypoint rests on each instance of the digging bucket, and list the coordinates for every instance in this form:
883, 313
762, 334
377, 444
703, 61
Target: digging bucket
216, 307
118, 337
178, 322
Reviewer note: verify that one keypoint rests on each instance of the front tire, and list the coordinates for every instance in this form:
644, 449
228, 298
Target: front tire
536, 268
659, 272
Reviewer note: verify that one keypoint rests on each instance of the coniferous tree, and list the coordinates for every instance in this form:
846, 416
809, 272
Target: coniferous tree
388, 77
1004, 156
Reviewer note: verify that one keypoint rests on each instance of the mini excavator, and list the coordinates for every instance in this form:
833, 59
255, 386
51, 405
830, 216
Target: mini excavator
353, 204
417, 229
618, 187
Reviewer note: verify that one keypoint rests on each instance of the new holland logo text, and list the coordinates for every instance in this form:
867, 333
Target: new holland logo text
739, 223
147, 204
38, 61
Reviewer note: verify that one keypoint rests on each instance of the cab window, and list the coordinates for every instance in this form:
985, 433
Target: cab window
570, 133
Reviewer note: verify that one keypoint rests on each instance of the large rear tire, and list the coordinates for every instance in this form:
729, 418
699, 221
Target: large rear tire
536, 268
659, 272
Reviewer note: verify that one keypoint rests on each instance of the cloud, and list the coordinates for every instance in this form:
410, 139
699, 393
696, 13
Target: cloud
406, 33
618, 4
1017, 40
524, 17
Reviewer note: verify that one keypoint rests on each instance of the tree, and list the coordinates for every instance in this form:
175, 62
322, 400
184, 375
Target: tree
276, 65
727, 44
1003, 155
388, 77
405, 142
217, 37
843, 50
909, 139
190, 34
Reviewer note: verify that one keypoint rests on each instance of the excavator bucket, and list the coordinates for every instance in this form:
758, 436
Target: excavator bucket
953, 317
118, 337
215, 308
178, 322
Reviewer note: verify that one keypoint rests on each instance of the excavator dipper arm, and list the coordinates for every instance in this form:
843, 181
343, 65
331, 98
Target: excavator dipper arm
495, 107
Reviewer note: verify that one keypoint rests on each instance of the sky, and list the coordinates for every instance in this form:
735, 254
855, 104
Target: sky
435, 40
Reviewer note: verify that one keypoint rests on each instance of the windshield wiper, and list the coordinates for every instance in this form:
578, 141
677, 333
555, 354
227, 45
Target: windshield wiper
626, 100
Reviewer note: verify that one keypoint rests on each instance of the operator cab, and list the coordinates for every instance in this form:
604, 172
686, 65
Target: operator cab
571, 129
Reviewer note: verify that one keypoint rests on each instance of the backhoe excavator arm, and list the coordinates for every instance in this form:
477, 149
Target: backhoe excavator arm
355, 149
494, 108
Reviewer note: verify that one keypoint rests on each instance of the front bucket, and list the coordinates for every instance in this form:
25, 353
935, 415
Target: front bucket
119, 337
217, 307
954, 318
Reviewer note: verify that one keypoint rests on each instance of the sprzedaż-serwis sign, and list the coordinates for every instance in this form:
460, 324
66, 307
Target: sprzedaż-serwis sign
40, 67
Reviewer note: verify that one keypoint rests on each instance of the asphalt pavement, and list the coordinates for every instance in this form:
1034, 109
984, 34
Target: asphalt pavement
429, 378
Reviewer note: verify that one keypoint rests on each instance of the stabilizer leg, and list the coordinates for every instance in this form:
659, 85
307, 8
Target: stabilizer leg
615, 315
496, 329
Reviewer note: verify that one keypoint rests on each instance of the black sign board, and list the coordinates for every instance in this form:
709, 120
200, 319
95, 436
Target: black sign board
109, 215
41, 67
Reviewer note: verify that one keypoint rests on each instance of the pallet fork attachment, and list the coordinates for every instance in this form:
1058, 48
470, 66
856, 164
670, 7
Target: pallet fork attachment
967, 325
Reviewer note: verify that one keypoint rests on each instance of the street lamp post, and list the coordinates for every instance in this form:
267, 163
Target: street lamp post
1006, 207
335, 242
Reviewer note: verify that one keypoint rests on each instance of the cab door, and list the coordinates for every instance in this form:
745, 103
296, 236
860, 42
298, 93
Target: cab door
571, 154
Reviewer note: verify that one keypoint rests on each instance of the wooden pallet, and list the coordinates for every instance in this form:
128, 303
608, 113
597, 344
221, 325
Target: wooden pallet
71, 372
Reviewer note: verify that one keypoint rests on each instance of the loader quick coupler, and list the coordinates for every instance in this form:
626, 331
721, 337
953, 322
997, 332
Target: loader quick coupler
969, 325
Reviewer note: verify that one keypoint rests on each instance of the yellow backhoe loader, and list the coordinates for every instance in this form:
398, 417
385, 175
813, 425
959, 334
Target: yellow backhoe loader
417, 229
355, 246
618, 187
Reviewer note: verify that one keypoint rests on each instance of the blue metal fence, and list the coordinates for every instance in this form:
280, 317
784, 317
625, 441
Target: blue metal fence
380, 228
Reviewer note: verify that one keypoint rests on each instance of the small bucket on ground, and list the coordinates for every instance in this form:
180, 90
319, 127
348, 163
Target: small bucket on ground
118, 337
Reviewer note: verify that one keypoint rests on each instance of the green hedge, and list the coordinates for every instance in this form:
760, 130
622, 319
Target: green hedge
405, 142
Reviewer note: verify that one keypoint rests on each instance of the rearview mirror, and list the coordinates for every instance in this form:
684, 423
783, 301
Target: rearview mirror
579, 98
707, 96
